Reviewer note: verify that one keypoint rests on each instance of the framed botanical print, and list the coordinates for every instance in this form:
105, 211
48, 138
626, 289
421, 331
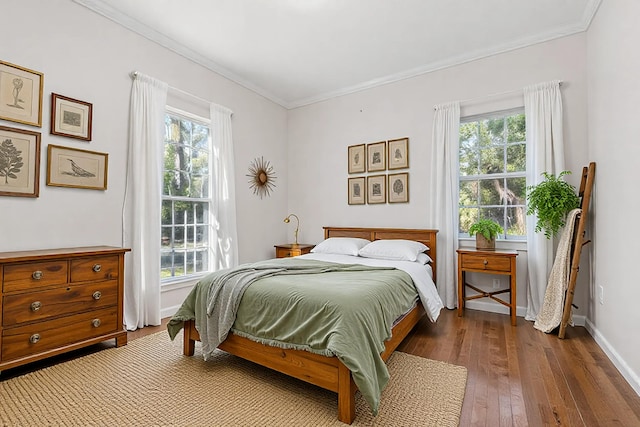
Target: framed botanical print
71, 117
398, 153
19, 162
71, 167
20, 94
376, 156
399, 188
376, 189
357, 158
357, 191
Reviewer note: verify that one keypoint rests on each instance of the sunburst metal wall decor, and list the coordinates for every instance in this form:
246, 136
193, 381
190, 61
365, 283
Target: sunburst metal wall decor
261, 177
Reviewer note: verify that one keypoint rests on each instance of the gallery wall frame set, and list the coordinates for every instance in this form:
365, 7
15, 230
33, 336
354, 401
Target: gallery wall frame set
19, 162
71, 117
72, 167
21, 94
379, 189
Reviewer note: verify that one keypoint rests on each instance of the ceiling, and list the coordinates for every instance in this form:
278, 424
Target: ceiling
297, 52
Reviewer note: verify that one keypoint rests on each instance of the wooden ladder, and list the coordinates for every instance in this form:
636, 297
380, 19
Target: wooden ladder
586, 185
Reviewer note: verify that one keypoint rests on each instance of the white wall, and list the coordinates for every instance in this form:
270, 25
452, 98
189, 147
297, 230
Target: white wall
320, 133
614, 130
88, 57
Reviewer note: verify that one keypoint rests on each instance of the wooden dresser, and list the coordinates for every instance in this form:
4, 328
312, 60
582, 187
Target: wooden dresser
58, 300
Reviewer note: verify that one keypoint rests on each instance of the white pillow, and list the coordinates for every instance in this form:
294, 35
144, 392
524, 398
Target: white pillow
423, 258
393, 249
340, 246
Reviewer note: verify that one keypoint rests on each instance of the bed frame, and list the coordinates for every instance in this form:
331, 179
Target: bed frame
326, 372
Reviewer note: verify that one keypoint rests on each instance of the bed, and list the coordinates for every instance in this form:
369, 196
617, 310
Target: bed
326, 371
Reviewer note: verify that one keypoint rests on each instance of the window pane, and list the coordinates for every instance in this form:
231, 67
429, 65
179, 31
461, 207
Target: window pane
495, 214
516, 221
467, 217
516, 191
165, 237
167, 212
516, 158
178, 238
468, 193
202, 235
516, 127
492, 160
202, 213
495, 129
202, 260
491, 191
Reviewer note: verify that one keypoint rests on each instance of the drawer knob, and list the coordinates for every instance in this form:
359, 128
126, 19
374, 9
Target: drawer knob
96, 323
36, 305
34, 338
485, 262
96, 295
97, 267
37, 275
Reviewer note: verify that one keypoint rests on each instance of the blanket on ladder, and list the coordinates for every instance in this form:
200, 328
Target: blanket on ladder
550, 315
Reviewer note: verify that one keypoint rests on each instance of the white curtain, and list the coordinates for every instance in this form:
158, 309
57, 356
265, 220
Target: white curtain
545, 153
443, 190
141, 215
223, 215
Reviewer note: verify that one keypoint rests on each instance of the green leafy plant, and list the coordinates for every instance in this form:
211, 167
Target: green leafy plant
551, 200
487, 227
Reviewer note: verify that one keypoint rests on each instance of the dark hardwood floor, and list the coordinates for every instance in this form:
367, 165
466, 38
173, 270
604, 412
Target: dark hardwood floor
518, 376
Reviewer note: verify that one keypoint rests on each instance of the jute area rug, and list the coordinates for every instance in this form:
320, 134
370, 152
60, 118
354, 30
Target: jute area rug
149, 382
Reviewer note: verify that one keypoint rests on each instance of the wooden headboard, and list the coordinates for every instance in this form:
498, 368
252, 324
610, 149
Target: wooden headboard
427, 237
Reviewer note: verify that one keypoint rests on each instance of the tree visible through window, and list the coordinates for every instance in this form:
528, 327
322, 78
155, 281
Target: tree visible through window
186, 198
493, 172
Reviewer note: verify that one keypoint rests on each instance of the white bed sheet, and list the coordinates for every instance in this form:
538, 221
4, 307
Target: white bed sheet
421, 275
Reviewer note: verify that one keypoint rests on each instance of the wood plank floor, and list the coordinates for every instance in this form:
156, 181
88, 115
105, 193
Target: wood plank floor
518, 376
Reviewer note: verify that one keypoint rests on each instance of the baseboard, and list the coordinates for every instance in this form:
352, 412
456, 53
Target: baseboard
492, 307
622, 366
169, 311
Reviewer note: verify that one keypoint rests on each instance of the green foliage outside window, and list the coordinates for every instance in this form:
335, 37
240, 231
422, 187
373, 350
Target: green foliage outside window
492, 162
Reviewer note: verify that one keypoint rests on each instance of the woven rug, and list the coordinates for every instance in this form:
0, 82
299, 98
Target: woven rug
149, 382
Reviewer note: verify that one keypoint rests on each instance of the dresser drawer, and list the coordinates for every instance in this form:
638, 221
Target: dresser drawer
30, 275
34, 306
486, 262
94, 268
38, 337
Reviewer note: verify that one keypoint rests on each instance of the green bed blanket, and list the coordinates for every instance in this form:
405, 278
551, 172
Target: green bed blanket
331, 309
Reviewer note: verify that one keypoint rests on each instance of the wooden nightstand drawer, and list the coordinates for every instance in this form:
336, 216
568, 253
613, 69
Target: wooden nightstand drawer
291, 250
43, 336
30, 275
94, 268
486, 262
33, 306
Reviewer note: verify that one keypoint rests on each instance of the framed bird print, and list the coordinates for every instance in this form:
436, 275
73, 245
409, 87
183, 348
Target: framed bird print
398, 153
71, 117
71, 167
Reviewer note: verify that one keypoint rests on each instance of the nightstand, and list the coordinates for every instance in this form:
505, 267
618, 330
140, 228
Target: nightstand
490, 262
289, 250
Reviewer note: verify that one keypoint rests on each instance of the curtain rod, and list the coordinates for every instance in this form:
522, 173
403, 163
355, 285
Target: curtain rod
134, 75
492, 95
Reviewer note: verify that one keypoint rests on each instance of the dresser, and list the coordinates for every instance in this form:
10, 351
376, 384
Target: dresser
58, 300
289, 250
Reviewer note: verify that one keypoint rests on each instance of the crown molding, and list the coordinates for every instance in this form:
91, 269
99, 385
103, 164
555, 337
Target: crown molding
103, 8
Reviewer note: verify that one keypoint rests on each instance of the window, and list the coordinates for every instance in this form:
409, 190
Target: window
493, 172
186, 197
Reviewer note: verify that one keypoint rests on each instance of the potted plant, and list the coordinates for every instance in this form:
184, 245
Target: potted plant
486, 231
551, 200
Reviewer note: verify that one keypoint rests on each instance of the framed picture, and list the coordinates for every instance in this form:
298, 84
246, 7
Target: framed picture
376, 156
357, 191
398, 151
19, 162
357, 158
70, 167
70, 117
376, 189
21, 94
399, 188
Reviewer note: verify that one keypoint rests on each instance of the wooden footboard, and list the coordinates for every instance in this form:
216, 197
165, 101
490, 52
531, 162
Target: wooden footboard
326, 372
